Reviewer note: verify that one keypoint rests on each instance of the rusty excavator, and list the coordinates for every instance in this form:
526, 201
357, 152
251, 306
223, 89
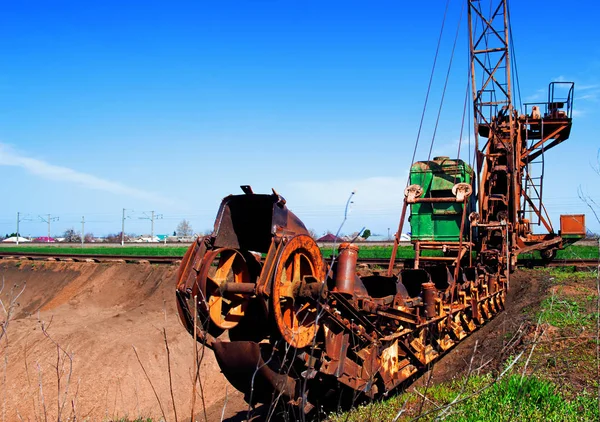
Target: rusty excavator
289, 327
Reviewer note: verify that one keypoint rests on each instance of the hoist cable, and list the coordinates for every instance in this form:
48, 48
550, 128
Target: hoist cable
437, 120
514, 58
462, 126
429, 85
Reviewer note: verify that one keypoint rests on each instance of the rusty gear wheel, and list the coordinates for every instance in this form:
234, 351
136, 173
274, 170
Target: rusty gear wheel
224, 309
300, 264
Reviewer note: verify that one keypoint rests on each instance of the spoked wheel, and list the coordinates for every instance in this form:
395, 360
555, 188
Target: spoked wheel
300, 268
225, 309
548, 254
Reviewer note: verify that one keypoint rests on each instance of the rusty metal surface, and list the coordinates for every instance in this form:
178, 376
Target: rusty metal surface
346, 268
288, 329
300, 262
278, 321
572, 225
284, 331
247, 221
245, 368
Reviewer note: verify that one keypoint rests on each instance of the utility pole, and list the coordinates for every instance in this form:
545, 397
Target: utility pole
123, 229
151, 217
48, 220
123, 225
82, 230
19, 219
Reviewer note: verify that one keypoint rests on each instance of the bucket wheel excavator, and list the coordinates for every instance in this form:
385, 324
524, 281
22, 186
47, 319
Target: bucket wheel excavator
288, 327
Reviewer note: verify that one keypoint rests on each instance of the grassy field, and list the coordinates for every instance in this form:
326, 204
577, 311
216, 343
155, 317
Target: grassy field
100, 250
570, 252
483, 398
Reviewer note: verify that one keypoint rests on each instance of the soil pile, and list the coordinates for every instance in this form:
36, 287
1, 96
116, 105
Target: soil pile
98, 314
487, 348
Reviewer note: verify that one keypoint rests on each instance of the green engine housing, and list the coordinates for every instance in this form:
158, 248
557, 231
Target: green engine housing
439, 221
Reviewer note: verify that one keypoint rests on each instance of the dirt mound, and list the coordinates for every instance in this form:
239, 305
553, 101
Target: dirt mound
489, 346
98, 313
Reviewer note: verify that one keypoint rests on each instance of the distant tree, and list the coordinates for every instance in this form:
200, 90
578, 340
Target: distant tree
71, 235
113, 238
116, 237
312, 233
184, 228
366, 234
89, 237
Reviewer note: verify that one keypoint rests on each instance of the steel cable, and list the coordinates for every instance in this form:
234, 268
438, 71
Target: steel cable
446, 83
429, 86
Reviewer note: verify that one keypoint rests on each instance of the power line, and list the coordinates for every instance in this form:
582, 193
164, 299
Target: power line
48, 220
19, 219
152, 217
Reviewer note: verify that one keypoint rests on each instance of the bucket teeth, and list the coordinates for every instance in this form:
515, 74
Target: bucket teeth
445, 342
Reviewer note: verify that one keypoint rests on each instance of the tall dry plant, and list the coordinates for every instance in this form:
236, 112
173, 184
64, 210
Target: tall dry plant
7, 306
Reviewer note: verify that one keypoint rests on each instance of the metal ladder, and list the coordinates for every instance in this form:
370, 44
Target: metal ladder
534, 182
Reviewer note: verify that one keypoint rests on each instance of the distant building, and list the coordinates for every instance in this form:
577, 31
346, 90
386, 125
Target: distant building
44, 239
13, 239
145, 239
329, 237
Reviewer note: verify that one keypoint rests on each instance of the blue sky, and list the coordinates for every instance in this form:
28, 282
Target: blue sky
170, 106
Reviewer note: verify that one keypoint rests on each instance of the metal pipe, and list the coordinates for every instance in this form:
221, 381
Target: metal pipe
397, 240
346, 268
428, 292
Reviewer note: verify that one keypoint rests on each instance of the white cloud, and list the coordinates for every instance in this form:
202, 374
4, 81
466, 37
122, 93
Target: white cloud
538, 95
10, 157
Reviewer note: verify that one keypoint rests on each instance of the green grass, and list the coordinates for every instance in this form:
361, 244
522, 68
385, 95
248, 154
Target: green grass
377, 252
566, 312
578, 252
479, 398
102, 250
568, 273
571, 252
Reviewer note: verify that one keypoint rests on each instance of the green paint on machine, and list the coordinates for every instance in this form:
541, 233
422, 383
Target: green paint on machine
439, 221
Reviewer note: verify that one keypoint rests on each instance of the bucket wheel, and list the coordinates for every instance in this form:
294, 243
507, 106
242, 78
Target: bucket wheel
299, 267
225, 309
